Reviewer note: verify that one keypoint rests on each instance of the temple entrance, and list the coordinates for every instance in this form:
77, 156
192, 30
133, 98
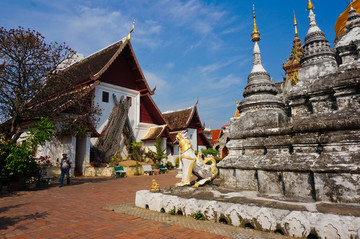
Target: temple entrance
80, 155
224, 152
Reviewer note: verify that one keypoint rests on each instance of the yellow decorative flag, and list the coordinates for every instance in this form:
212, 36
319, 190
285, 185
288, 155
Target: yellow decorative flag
342, 19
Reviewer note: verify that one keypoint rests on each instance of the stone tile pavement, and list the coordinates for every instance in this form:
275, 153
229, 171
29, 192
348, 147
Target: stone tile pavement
79, 211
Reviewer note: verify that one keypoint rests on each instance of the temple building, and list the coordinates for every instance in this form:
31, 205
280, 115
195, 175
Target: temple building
186, 119
112, 82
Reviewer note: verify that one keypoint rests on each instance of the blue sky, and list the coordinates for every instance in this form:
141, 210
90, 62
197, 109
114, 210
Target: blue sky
190, 50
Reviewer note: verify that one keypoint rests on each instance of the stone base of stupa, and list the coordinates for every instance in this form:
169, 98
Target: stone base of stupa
248, 209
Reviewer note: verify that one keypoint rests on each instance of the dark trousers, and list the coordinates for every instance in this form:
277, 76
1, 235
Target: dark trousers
63, 172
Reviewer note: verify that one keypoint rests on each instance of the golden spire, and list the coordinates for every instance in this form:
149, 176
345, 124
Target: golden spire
310, 6
132, 29
255, 35
295, 24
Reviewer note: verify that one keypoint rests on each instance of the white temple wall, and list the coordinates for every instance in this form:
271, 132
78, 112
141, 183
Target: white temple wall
55, 149
106, 107
193, 138
176, 154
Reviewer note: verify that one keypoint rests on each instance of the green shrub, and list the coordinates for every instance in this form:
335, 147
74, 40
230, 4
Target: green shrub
19, 163
114, 161
169, 165
17, 160
199, 216
213, 152
172, 212
177, 162
209, 151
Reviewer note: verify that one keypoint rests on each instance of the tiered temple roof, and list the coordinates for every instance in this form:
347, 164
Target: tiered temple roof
186, 118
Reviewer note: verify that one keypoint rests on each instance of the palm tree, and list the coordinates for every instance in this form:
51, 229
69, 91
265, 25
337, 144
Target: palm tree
159, 154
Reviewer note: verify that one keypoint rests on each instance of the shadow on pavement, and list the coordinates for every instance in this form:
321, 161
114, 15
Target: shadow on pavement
6, 222
55, 183
4, 209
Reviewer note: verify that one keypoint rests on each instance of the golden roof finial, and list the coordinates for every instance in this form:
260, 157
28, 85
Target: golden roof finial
132, 29
310, 6
295, 24
255, 35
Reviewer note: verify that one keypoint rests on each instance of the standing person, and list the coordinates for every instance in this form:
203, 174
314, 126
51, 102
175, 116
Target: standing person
65, 168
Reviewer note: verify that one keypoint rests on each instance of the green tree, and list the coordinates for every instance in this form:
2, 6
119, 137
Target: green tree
136, 152
36, 80
213, 152
159, 154
28, 62
209, 151
41, 132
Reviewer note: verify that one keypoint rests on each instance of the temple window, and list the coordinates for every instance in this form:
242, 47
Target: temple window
128, 98
105, 96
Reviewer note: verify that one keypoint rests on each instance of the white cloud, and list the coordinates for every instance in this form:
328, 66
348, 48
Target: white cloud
148, 34
89, 29
217, 65
170, 65
234, 29
225, 82
194, 15
157, 81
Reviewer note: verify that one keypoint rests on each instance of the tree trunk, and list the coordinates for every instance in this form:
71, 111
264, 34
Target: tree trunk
15, 130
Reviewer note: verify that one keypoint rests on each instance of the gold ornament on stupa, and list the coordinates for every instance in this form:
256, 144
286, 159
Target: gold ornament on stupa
255, 35
292, 65
310, 6
295, 25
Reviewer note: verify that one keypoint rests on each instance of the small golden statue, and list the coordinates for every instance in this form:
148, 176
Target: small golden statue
155, 186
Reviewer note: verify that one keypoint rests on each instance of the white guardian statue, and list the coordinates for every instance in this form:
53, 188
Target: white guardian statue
192, 163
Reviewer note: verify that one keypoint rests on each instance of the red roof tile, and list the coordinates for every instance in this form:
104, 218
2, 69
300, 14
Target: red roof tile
215, 135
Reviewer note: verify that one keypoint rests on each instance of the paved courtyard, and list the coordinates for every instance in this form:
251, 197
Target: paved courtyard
102, 208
